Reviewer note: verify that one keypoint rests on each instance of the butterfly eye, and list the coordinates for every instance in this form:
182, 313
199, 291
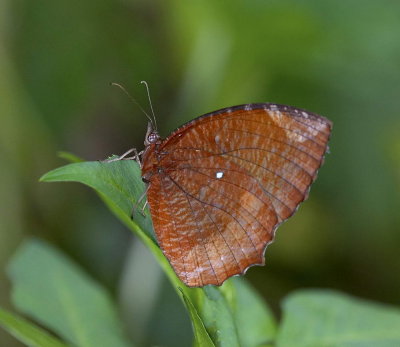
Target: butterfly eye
153, 137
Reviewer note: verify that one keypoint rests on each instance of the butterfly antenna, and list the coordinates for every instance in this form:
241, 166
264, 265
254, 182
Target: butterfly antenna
134, 100
151, 105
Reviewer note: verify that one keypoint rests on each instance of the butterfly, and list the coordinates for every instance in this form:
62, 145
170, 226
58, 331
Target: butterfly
220, 185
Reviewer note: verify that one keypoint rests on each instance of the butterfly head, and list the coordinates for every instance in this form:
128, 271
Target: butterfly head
151, 135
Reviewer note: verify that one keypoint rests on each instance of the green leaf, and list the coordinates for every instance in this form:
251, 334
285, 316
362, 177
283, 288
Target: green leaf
254, 320
202, 339
27, 332
218, 318
317, 318
53, 290
220, 309
235, 315
118, 181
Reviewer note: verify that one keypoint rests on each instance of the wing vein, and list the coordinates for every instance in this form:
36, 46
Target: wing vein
223, 237
229, 198
173, 221
270, 195
283, 128
202, 241
217, 207
213, 154
216, 248
236, 118
249, 161
273, 139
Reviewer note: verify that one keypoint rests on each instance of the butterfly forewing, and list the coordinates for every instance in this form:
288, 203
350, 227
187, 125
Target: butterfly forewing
226, 180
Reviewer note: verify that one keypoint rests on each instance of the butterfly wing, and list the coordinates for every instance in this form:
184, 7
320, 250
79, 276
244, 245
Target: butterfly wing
227, 180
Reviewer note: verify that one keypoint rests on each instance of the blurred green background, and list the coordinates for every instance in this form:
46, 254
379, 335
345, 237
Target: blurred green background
340, 59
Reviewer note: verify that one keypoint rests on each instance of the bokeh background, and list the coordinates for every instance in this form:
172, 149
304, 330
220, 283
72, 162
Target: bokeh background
340, 59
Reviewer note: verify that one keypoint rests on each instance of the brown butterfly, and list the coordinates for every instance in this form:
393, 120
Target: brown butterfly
220, 185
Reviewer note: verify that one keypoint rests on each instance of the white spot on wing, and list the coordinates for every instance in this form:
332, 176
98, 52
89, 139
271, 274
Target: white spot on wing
219, 174
296, 137
304, 114
271, 107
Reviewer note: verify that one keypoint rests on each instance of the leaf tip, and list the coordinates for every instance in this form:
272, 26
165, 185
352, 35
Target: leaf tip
72, 158
44, 178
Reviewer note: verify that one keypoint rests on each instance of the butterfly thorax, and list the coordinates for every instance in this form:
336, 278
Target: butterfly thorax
150, 157
150, 162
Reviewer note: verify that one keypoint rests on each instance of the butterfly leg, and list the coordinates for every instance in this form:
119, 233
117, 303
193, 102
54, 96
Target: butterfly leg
135, 206
143, 208
136, 157
124, 156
